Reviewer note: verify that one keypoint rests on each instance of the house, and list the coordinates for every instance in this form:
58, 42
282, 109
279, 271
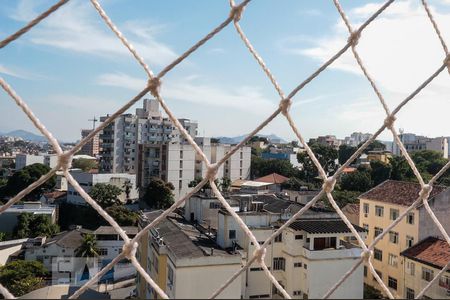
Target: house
381, 155
9, 248
379, 207
184, 262
351, 211
276, 180
9, 218
423, 262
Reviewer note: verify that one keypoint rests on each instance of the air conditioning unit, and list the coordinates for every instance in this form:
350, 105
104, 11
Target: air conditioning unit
366, 215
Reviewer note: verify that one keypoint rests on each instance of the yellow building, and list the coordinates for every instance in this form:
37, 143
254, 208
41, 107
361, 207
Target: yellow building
379, 207
423, 262
381, 155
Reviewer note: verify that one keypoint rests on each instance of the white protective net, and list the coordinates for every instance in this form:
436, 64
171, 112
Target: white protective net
129, 249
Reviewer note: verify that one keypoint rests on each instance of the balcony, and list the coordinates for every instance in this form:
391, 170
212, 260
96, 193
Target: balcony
330, 253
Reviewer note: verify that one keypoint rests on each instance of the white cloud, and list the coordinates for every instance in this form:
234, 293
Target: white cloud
311, 13
19, 73
77, 27
191, 90
400, 49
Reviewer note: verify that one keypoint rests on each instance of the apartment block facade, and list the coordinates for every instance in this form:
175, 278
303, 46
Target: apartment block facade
91, 148
379, 207
414, 142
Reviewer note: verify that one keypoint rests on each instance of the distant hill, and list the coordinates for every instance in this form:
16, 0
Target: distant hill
26, 135
237, 139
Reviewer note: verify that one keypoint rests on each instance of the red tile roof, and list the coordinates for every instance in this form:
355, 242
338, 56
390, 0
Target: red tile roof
351, 208
273, 178
398, 192
431, 251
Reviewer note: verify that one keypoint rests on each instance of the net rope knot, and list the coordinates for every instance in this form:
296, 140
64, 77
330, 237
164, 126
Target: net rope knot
285, 105
211, 172
328, 185
389, 121
65, 161
366, 254
154, 84
260, 254
236, 12
353, 39
425, 191
129, 249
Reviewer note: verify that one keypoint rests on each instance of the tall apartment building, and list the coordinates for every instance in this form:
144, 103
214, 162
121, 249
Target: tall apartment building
379, 207
149, 145
23, 160
357, 138
414, 142
91, 148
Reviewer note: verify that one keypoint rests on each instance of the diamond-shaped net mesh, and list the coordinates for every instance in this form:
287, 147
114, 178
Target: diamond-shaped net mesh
154, 82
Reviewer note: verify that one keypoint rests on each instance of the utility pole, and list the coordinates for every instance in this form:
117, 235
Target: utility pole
94, 120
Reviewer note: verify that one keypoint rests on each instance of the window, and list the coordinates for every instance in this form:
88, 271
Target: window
231, 234
392, 260
378, 254
181, 173
297, 293
392, 283
365, 271
379, 211
279, 238
255, 269
444, 281
378, 231
393, 214
427, 274
180, 184
410, 218
305, 266
297, 265
259, 296
366, 228
393, 237
169, 276
278, 263
299, 236
155, 263
214, 205
410, 268
366, 208
379, 274
409, 293
409, 241
102, 251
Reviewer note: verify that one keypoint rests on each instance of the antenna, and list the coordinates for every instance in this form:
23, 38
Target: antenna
94, 120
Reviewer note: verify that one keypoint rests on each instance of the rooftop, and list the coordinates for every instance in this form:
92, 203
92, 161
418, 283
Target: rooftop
250, 183
31, 207
323, 226
183, 239
68, 239
351, 208
398, 192
431, 251
109, 230
273, 178
63, 291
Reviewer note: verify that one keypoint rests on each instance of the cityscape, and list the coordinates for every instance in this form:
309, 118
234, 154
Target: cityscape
228, 149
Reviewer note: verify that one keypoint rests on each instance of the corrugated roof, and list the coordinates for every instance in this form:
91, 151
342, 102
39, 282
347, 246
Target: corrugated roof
110, 230
273, 178
398, 192
431, 251
323, 226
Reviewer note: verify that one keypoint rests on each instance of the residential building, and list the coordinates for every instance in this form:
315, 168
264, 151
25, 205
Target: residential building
184, 262
307, 258
379, 207
414, 142
276, 180
351, 211
9, 217
423, 262
381, 155
64, 291
91, 148
327, 140
9, 248
357, 138
23, 160
302, 196
289, 156
87, 180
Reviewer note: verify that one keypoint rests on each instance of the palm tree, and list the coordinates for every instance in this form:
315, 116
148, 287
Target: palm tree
89, 247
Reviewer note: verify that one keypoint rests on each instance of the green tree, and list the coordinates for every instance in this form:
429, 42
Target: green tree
206, 186
356, 181
26, 176
261, 167
84, 164
21, 277
372, 293
375, 145
88, 247
379, 171
3, 236
158, 194
345, 152
326, 156
30, 225
225, 183
400, 168
122, 215
105, 194
296, 184
127, 186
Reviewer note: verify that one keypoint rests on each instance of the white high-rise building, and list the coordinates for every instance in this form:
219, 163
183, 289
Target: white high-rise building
357, 138
414, 143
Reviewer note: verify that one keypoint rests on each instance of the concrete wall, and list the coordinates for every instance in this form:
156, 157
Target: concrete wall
440, 205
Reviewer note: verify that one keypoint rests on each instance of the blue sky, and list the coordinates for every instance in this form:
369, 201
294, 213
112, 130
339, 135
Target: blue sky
71, 66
